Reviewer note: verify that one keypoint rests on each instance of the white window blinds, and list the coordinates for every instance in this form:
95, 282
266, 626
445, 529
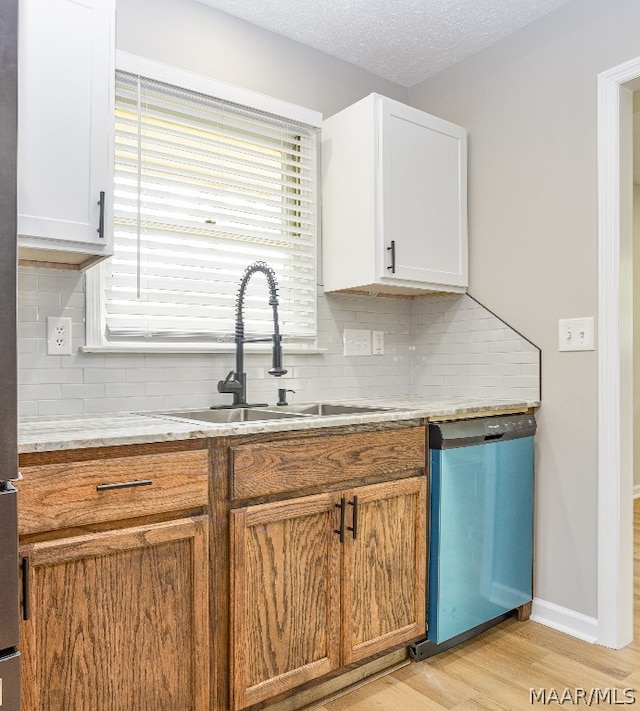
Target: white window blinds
203, 188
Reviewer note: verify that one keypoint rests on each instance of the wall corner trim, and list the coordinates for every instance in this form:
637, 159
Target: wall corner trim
615, 540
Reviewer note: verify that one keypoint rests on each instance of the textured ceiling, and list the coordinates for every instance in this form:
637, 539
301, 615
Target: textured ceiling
405, 41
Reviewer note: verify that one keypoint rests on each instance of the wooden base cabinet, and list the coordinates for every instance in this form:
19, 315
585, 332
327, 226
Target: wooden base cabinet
285, 596
321, 581
118, 620
384, 568
114, 544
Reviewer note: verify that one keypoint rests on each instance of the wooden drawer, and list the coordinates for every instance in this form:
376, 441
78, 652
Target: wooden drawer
64, 495
262, 469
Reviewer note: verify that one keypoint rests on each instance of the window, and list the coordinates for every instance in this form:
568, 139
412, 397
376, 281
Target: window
203, 188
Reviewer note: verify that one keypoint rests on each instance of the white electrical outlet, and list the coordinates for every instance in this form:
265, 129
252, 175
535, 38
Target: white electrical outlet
58, 335
575, 334
377, 342
356, 342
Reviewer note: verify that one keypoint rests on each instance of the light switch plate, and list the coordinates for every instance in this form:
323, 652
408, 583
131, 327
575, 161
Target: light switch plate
356, 342
576, 334
377, 342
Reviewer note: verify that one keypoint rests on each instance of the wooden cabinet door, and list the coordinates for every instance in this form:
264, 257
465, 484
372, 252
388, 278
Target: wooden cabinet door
384, 567
118, 620
285, 596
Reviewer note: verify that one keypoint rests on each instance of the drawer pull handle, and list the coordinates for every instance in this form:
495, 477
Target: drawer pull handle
124, 485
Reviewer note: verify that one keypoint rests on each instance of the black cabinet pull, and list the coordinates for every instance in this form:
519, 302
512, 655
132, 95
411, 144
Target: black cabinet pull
340, 530
101, 202
354, 520
26, 588
124, 485
392, 249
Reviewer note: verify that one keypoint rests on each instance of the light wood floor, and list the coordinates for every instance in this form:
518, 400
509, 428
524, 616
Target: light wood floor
496, 670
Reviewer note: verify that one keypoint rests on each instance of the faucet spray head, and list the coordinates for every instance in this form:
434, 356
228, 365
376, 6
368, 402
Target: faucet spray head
276, 363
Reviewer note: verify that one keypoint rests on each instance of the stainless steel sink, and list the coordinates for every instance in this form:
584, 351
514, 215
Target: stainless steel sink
324, 409
235, 414
272, 412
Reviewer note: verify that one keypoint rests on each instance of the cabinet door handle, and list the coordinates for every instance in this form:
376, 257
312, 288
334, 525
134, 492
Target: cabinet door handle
354, 519
101, 202
124, 485
340, 530
26, 588
392, 249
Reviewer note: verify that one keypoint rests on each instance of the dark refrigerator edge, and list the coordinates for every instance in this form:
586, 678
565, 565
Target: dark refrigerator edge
9, 612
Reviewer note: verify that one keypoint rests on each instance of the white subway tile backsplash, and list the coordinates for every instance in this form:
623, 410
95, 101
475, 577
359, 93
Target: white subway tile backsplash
59, 406
102, 375
523, 381
124, 390
441, 345
36, 329
504, 346
99, 406
82, 391
494, 361
59, 375
61, 281
28, 345
140, 374
39, 391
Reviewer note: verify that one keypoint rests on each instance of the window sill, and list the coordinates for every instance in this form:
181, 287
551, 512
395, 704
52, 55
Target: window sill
182, 348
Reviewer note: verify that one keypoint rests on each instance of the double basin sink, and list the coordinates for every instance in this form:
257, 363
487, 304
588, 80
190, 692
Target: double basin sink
275, 412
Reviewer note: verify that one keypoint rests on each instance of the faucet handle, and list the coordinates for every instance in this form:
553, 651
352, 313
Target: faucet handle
230, 384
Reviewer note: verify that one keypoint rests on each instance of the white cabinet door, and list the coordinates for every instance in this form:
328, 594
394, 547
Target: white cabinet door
394, 195
422, 176
65, 127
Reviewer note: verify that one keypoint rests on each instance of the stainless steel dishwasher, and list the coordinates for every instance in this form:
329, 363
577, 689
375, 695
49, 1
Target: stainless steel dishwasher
481, 526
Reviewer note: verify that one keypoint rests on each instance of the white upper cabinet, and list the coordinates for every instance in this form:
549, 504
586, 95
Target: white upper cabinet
394, 200
65, 129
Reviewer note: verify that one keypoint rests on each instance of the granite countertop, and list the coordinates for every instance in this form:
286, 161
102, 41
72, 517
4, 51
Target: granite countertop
40, 434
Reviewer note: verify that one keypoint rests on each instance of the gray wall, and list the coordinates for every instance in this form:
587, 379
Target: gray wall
197, 38
529, 103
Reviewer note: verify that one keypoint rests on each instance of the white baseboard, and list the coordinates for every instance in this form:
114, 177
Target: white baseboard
636, 491
565, 620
